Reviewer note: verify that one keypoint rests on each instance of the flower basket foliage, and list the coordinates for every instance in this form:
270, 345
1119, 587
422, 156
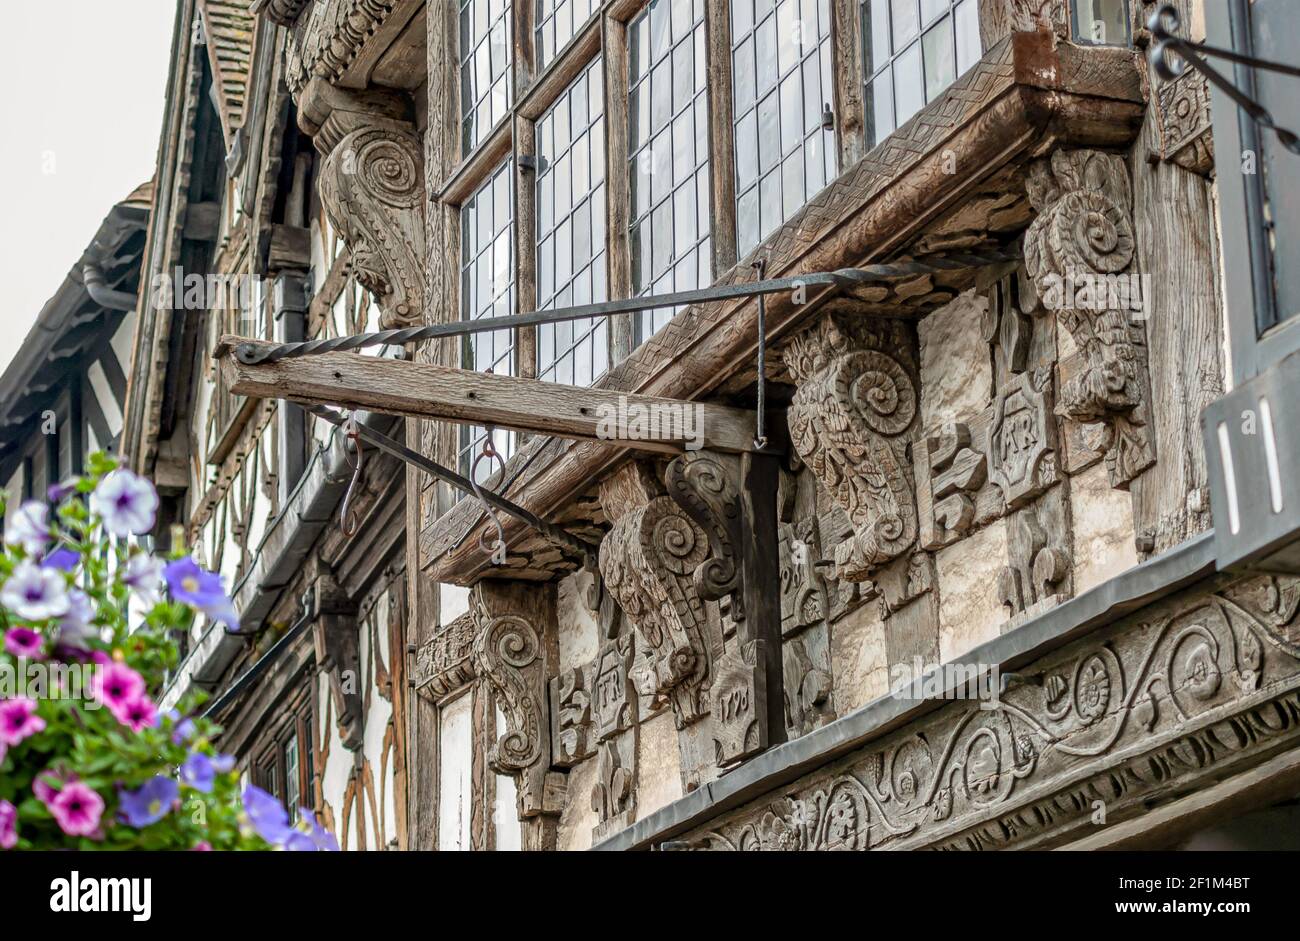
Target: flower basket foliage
88, 619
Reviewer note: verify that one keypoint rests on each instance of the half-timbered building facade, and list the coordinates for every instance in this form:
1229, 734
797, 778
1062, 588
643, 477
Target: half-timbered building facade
895, 526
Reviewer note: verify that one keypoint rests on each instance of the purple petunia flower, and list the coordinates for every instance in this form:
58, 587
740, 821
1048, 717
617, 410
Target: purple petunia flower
57, 493
29, 527
63, 559
298, 842
126, 503
198, 773
322, 838
269, 819
18, 720
200, 589
150, 802
116, 684
223, 763
34, 593
24, 642
136, 714
77, 809
144, 575
8, 825
184, 730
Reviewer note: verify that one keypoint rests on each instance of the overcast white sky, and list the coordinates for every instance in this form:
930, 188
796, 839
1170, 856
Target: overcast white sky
82, 84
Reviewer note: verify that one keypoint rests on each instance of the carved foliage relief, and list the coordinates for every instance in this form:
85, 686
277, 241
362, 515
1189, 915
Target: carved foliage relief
850, 421
1083, 236
1191, 687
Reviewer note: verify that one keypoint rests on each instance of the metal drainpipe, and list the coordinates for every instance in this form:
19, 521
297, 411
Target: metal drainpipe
97, 287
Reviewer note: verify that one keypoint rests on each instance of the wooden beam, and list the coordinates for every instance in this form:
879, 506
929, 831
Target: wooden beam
423, 390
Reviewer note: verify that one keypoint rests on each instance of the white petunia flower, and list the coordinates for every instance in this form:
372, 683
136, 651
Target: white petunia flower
75, 626
126, 503
29, 527
35, 593
144, 575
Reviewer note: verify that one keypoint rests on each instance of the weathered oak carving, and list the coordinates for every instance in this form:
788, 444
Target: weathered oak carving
1082, 236
1193, 687
649, 560
1186, 129
1022, 438
850, 421
510, 651
444, 664
704, 485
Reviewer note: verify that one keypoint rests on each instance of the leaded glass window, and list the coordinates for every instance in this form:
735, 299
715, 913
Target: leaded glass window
668, 138
914, 49
487, 289
782, 88
485, 68
558, 21
571, 230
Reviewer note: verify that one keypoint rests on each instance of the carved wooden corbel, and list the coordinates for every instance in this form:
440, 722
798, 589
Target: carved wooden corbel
1186, 129
851, 420
649, 560
338, 656
372, 187
513, 648
704, 485
1077, 248
281, 12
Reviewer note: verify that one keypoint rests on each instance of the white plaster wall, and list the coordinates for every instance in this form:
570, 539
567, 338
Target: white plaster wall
1103, 528
859, 664
969, 610
455, 754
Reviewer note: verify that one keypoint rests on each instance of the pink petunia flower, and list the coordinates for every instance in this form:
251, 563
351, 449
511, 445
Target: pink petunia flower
116, 684
24, 642
8, 825
48, 783
77, 809
18, 720
136, 714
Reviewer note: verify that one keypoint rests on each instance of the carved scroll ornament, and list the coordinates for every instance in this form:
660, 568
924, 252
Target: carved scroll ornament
372, 187
849, 421
509, 653
1083, 238
649, 560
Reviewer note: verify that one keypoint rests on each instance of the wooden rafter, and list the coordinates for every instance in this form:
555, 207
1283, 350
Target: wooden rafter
418, 390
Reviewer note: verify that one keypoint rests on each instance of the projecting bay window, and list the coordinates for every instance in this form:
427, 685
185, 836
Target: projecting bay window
557, 21
668, 140
570, 209
782, 90
913, 50
487, 289
486, 93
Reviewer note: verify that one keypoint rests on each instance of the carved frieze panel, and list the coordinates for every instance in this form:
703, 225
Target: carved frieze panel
649, 560
1022, 438
570, 718
1193, 687
807, 678
851, 421
444, 665
739, 694
803, 591
1083, 238
1186, 130
950, 473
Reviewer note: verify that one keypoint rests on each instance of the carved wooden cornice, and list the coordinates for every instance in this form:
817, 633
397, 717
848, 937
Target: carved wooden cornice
1193, 689
444, 665
850, 422
1028, 93
1082, 237
649, 561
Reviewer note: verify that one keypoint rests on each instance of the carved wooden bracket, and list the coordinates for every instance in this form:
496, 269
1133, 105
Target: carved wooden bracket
513, 646
704, 484
649, 561
372, 187
281, 12
1075, 250
850, 421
